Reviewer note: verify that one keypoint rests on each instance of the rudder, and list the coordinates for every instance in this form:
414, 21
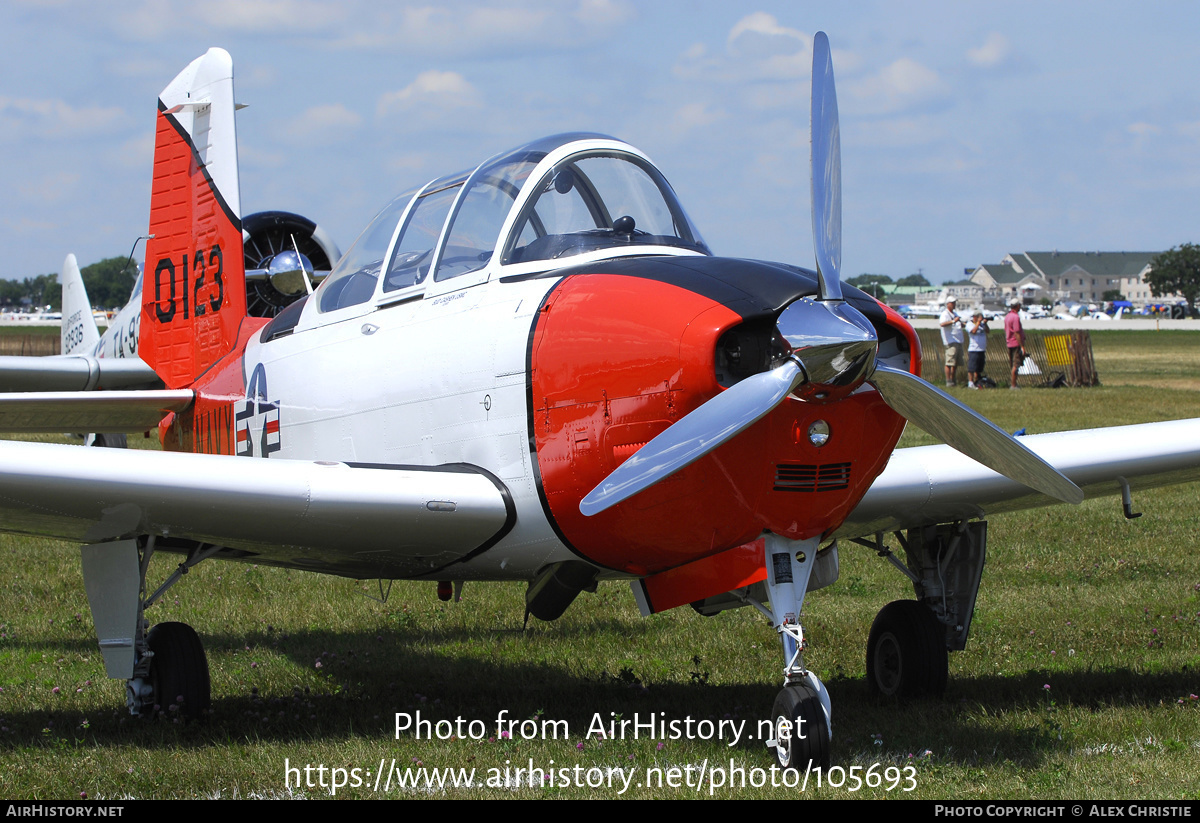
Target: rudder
194, 295
79, 333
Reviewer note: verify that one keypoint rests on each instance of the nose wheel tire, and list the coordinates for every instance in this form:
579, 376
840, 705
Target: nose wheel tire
807, 743
178, 670
906, 652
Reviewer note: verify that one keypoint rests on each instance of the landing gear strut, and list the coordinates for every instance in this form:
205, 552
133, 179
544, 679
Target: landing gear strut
165, 669
801, 713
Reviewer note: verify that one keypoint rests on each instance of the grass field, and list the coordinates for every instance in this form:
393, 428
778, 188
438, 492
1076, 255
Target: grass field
1080, 680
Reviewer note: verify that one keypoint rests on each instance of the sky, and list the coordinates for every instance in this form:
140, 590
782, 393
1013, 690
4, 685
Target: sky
969, 130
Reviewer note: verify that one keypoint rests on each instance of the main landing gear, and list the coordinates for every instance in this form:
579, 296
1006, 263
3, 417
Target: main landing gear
907, 648
165, 669
906, 652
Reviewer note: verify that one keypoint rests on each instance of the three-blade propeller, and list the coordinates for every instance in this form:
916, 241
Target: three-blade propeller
834, 351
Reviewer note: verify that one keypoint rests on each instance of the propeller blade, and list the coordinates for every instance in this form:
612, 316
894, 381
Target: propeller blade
967, 431
826, 172
714, 423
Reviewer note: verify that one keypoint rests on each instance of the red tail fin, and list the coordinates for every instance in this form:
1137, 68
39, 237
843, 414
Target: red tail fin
194, 297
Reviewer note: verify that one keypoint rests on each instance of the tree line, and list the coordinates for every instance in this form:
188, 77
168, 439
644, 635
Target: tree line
109, 283
868, 283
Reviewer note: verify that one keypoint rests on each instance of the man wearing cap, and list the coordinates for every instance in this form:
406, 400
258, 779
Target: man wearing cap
952, 338
976, 348
1014, 336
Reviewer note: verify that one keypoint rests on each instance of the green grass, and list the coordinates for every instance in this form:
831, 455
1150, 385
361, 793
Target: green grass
1104, 611
18, 329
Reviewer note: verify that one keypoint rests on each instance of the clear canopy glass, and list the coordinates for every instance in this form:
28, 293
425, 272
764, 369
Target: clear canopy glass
593, 200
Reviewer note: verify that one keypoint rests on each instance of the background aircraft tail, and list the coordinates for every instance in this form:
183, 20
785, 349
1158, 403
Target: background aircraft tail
194, 294
79, 332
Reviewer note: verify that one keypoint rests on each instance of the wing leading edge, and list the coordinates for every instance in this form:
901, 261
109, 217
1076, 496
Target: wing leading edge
320, 516
935, 484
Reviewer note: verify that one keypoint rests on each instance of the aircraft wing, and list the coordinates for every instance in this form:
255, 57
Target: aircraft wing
357, 521
935, 484
112, 411
74, 373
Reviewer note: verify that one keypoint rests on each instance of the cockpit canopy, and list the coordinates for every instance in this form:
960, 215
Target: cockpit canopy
568, 198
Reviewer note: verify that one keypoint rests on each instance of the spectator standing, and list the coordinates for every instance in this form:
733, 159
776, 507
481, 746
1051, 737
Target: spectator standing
977, 334
1014, 337
952, 339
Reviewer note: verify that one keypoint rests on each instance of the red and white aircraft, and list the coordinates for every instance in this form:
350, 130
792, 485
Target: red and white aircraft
535, 369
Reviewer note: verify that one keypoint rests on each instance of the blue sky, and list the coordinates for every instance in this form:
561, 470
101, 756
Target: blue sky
969, 130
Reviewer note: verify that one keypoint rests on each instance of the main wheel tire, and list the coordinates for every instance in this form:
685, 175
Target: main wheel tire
906, 652
179, 670
800, 706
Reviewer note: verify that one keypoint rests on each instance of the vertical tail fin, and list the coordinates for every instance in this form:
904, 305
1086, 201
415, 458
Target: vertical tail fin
194, 296
79, 332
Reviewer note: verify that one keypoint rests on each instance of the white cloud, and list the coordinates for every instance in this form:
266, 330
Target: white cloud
993, 51
477, 29
269, 15
162, 19
1189, 129
908, 77
330, 119
54, 118
410, 162
137, 152
896, 86
323, 124
51, 188
756, 48
761, 31
603, 12
892, 133
694, 115
25, 225
1143, 129
149, 20
137, 65
252, 156
432, 88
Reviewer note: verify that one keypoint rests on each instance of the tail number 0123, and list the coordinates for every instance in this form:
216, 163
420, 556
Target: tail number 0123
202, 267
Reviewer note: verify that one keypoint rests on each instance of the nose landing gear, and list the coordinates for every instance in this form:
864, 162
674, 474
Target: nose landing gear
802, 711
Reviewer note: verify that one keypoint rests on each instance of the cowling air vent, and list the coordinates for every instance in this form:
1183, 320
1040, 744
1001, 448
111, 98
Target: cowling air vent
806, 477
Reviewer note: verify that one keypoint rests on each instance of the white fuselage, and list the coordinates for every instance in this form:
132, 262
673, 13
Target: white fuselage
428, 382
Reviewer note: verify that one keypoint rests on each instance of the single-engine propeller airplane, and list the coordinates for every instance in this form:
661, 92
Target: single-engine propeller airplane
535, 369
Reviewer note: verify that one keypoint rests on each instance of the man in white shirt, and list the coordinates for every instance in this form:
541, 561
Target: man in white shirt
976, 348
952, 339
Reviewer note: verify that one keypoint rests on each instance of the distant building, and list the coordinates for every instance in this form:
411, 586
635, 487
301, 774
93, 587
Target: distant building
965, 291
1066, 276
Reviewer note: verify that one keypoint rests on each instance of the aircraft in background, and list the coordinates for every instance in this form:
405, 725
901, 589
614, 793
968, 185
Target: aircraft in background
79, 331
535, 369
282, 253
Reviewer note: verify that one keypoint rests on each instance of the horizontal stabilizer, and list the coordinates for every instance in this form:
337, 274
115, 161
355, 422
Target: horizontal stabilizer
317, 515
66, 412
69, 374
